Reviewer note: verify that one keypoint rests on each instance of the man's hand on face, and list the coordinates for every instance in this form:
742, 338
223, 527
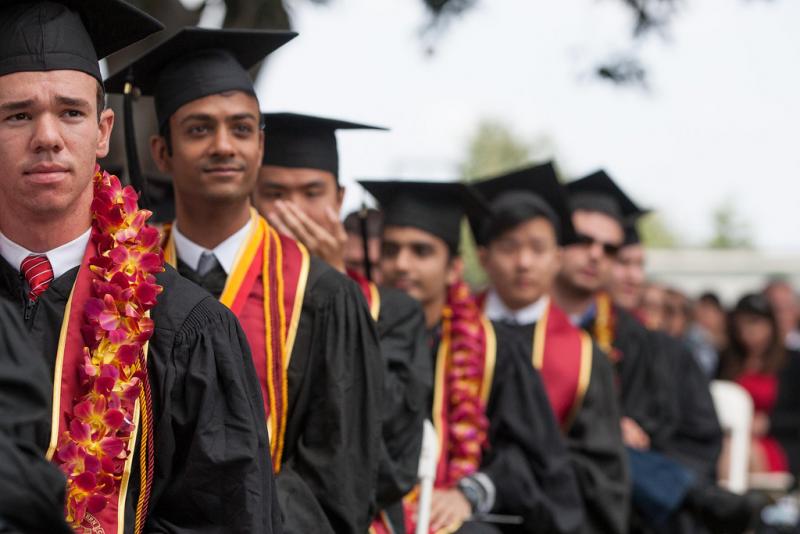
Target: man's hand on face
448, 507
633, 436
324, 241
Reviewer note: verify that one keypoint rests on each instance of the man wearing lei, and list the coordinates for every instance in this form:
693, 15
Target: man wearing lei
501, 452
520, 248
312, 339
153, 400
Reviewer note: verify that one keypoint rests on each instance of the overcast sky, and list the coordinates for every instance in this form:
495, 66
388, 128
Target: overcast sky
719, 120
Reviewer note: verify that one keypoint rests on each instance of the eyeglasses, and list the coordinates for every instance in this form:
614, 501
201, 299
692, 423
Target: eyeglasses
609, 249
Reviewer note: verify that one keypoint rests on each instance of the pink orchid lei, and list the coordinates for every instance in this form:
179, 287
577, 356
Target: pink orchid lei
466, 411
93, 451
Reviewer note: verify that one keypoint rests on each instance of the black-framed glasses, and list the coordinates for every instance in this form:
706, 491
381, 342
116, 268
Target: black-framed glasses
609, 249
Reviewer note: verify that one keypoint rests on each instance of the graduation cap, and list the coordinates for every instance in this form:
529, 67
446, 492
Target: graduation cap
67, 34
304, 141
192, 64
522, 195
433, 207
598, 192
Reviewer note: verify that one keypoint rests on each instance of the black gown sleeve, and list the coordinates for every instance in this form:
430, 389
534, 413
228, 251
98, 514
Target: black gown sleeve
594, 441
696, 440
641, 399
527, 459
32, 490
785, 417
401, 329
329, 474
213, 469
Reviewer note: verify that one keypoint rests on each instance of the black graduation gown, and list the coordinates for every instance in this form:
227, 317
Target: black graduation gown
594, 441
635, 372
212, 466
407, 372
32, 489
784, 421
690, 432
327, 481
526, 458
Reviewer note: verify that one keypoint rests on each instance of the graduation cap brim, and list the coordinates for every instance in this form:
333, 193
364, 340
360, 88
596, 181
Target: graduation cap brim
305, 141
51, 39
600, 185
248, 47
284, 120
539, 180
434, 207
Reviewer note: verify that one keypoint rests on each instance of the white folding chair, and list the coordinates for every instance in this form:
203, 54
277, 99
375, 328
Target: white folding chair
735, 412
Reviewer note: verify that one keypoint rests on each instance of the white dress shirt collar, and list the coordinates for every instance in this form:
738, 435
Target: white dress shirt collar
62, 259
189, 252
496, 310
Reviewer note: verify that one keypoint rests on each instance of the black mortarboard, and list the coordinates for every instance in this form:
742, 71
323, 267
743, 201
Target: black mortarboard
598, 192
522, 195
195, 63
434, 207
303, 141
192, 64
67, 34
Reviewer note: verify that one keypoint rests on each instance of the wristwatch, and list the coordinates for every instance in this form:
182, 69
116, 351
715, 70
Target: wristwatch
471, 491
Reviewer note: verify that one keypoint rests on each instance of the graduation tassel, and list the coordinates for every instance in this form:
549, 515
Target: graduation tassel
135, 177
363, 217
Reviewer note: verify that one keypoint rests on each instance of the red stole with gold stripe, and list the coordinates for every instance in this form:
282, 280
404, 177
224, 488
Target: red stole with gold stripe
562, 353
265, 291
370, 292
66, 387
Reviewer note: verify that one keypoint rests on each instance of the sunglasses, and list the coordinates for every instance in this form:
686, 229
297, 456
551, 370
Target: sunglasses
609, 249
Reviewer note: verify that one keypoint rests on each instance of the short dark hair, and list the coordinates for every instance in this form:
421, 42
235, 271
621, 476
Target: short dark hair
512, 209
101, 99
166, 132
352, 223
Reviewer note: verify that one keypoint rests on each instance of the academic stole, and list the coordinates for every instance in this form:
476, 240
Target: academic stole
443, 408
268, 311
605, 324
370, 292
562, 354
66, 385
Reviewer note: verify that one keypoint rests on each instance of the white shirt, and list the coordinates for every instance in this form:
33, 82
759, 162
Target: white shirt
496, 310
62, 259
189, 252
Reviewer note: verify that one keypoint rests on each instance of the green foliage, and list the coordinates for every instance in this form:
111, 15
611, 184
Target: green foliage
656, 234
730, 229
493, 149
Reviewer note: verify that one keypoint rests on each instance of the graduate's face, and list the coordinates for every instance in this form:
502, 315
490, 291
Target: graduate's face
50, 140
523, 262
314, 191
627, 277
216, 148
418, 263
354, 255
587, 266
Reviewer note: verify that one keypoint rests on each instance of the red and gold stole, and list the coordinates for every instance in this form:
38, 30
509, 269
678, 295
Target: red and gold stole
605, 324
370, 292
465, 364
265, 291
562, 353
101, 392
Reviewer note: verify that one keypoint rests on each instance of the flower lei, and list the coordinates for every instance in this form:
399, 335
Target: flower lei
93, 451
466, 411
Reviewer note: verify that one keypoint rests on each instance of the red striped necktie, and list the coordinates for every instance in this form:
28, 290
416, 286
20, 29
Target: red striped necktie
38, 272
